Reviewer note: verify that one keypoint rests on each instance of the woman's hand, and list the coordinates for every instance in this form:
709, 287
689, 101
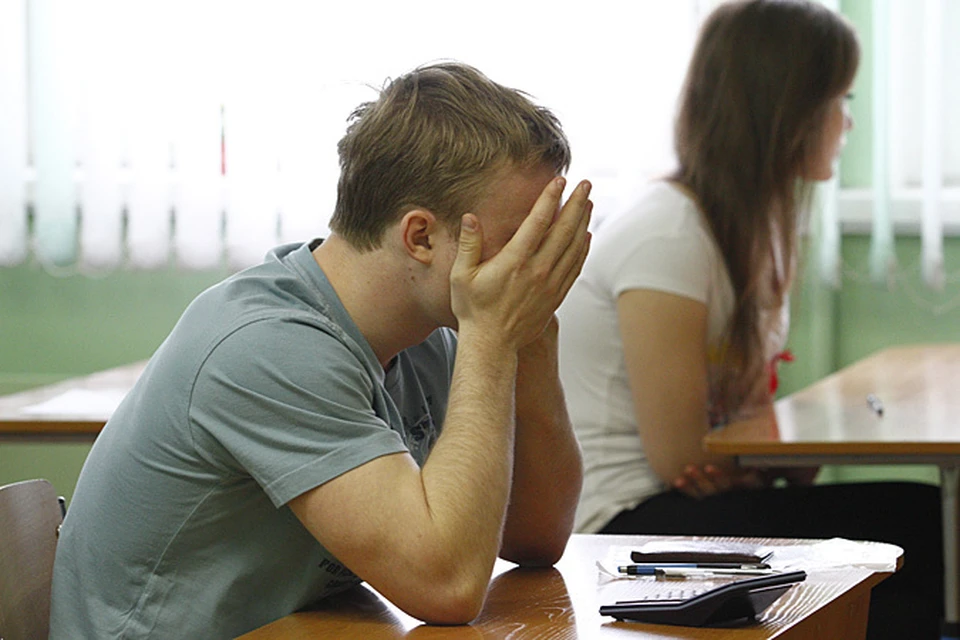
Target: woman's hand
700, 482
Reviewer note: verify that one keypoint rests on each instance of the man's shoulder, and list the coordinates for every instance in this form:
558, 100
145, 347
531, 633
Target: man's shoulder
276, 292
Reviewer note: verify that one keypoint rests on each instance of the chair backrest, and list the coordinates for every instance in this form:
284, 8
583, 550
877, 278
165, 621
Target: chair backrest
30, 516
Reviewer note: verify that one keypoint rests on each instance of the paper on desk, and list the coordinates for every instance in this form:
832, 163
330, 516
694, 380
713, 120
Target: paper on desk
819, 555
836, 553
607, 567
82, 402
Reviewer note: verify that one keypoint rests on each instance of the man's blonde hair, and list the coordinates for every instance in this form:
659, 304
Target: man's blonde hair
434, 139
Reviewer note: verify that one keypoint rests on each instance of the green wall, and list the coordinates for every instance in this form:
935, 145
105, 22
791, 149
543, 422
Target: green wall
54, 326
866, 317
832, 328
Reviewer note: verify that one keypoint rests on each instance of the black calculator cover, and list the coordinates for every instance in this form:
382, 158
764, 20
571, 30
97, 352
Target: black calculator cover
734, 601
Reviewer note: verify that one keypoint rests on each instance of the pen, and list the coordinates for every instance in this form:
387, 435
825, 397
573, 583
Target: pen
638, 570
875, 405
649, 568
706, 573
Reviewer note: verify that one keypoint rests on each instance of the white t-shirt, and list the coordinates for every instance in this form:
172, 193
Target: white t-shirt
661, 243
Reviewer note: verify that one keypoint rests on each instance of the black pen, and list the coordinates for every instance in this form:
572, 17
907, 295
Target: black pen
875, 405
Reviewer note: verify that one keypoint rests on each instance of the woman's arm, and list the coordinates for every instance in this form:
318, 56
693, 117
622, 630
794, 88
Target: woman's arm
709, 479
665, 347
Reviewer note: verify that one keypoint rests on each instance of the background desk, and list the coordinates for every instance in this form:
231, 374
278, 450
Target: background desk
830, 422
564, 602
79, 420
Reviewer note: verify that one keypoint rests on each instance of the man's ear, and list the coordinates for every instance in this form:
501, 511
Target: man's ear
418, 230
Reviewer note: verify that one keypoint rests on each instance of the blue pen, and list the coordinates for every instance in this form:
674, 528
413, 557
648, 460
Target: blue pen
637, 570
654, 568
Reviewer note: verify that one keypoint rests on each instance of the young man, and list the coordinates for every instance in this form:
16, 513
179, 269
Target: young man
306, 426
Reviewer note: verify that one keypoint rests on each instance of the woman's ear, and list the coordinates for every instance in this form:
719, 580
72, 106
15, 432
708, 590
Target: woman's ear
418, 230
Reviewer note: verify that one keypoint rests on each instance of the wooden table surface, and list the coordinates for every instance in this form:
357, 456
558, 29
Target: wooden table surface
20, 420
563, 603
918, 386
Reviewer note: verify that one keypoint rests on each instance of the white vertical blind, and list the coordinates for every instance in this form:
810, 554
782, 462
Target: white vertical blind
53, 118
933, 81
99, 107
252, 182
924, 64
309, 150
827, 231
130, 102
13, 132
197, 120
148, 32
253, 109
882, 260
198, 192
916, 146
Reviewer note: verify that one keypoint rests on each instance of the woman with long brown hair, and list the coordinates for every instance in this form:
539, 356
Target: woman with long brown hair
681, 312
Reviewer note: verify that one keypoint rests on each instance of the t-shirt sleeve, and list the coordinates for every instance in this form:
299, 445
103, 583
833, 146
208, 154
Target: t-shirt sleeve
289, 405
669, 258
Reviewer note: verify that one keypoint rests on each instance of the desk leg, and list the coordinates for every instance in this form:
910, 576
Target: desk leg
950, 494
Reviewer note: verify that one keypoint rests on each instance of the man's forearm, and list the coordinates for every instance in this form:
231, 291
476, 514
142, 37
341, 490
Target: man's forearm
467, 476
548, 469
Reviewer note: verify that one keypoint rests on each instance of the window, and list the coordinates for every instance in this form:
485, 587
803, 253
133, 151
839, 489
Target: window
195, 133
901, 170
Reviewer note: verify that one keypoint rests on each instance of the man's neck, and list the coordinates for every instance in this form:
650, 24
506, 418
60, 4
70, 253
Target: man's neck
372, 288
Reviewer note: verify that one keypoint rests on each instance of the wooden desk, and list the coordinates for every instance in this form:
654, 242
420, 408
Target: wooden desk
564, 602
80, 418
830, 422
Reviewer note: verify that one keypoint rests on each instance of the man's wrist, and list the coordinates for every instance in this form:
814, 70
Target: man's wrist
486, 345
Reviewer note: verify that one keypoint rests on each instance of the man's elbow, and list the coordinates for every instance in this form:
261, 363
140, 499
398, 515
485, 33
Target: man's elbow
542, 552
450, 604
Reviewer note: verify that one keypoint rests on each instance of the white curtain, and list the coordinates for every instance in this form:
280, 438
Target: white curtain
914, 183
13, 116
200, 133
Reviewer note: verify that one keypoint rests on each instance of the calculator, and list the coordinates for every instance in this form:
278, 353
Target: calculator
732, 602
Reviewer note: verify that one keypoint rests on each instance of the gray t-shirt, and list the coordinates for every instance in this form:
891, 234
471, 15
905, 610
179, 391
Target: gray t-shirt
264, 390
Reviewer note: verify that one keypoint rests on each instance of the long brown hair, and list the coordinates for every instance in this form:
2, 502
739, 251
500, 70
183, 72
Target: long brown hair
755, 98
